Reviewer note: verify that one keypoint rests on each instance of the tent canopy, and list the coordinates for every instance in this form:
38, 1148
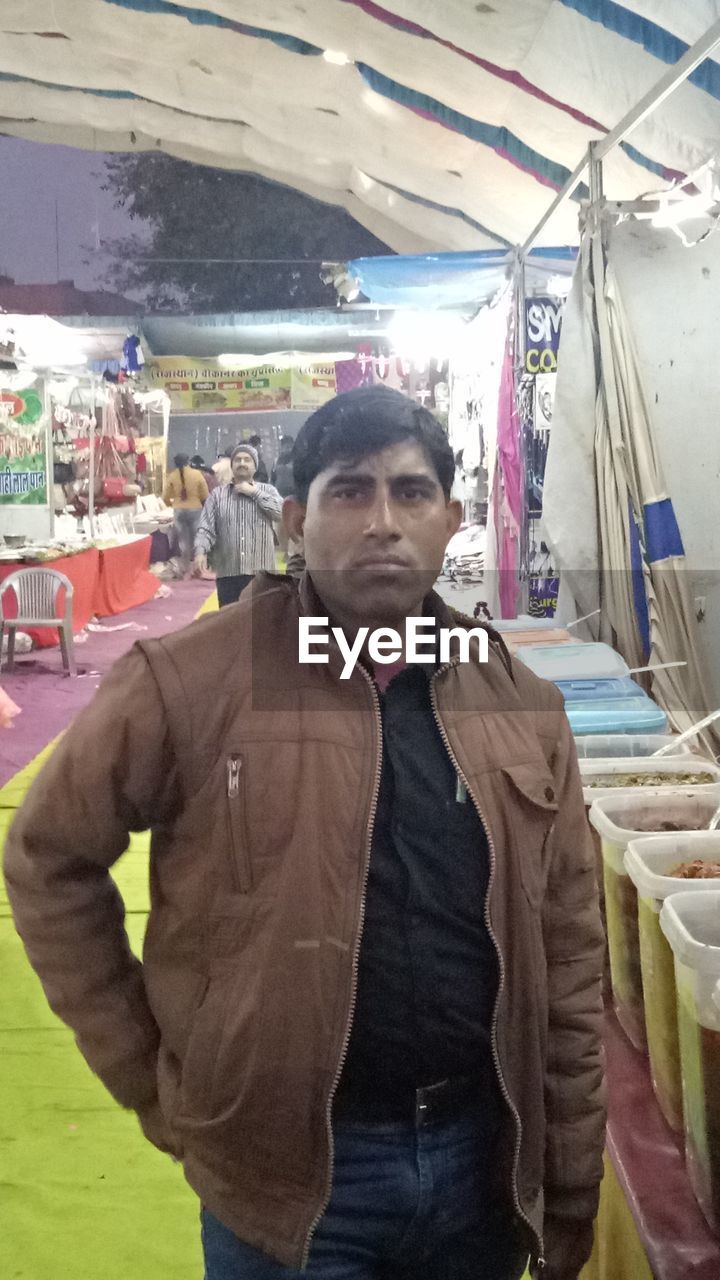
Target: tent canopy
438, 126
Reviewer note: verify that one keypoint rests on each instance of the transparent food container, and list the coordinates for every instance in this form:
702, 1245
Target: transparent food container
610, 746
649, 862
691, 924
605, 777
618, 819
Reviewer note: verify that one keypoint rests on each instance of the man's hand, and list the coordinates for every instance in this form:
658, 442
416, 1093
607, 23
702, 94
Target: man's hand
157, 1130
246, 486
200, 565
568, 1246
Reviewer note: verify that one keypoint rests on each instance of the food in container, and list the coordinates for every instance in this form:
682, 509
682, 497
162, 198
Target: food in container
652, 863
691, 923
696, 870
618, 819
683, 778
603, 777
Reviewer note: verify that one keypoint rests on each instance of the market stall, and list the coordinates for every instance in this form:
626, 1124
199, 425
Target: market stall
82, 568
107, 578
124, 580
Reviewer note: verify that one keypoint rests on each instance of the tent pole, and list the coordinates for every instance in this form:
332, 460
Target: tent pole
596, 179
667, 84
91, 463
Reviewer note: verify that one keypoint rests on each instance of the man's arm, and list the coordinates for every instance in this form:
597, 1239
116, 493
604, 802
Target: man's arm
112, 773
269, 501
206, 534
574, 1088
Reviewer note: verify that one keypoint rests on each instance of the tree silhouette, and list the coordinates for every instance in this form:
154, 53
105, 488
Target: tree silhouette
202, 233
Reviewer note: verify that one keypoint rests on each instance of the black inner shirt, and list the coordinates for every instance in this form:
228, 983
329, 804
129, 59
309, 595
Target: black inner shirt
428, 971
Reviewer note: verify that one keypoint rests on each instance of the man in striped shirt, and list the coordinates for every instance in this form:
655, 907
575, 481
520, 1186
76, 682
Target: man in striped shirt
235, 534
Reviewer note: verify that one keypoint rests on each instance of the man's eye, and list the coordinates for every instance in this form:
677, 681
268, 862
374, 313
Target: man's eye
348, 492
412, 493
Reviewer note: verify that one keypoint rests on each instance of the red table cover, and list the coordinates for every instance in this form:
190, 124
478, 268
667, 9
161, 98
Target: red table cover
83, 570
125, 580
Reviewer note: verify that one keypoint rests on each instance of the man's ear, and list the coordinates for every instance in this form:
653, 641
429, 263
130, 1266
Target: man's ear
293, 515
454, 516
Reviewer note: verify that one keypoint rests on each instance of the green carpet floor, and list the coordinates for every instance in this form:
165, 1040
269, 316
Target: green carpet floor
83, 1195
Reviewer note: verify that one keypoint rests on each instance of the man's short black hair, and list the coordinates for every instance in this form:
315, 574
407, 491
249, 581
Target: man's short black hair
359, 423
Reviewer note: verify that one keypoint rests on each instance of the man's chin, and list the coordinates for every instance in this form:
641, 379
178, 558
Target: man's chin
389, 595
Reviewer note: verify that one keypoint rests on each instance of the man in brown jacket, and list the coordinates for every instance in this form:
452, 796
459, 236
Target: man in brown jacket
368, 1016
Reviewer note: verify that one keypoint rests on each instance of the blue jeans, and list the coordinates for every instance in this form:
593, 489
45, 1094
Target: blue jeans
407, 1204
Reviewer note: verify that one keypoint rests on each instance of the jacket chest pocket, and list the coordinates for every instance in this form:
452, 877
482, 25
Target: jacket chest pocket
238, 850
533, 810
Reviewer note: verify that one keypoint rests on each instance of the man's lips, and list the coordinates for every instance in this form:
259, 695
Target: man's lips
382, 562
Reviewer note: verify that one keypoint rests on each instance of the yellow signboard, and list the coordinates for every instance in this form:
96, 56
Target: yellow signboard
210, 386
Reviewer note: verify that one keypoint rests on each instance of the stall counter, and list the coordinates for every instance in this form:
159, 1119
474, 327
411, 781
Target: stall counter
83, 570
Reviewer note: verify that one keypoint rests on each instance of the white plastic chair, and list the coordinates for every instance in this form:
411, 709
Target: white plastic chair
36, 592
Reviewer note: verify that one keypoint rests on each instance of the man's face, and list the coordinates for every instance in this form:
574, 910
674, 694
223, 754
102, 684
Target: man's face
375, 533
243, 467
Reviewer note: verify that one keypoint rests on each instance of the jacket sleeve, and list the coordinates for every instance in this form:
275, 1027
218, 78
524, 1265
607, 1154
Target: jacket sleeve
574, 947
206, 535
112, 773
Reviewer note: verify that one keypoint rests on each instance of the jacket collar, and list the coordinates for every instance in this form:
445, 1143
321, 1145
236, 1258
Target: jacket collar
433, 606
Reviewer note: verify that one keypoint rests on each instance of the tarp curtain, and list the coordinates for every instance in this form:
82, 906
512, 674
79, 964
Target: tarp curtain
642, 587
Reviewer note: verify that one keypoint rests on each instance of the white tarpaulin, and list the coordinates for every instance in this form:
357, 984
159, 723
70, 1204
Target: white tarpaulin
437, 125
610, 503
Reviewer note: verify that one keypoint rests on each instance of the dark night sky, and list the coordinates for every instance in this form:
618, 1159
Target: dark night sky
34, 176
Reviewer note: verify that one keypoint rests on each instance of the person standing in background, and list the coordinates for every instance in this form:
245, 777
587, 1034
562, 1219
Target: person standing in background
261, 475
235, 534
211, 479
284, 481
222, 467
185, 491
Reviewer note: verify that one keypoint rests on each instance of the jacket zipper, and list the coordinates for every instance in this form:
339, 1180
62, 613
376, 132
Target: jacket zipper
356, 957
501, 965
234, 773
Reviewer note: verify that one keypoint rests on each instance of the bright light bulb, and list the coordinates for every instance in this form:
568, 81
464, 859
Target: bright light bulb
424, 336
337, 58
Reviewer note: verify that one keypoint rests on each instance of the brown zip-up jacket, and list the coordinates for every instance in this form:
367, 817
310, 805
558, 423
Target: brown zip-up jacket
259, 779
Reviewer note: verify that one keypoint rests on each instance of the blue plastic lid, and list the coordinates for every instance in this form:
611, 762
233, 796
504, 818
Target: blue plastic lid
599, 690
617, 715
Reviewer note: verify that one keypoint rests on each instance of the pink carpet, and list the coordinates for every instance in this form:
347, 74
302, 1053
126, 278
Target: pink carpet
50, 700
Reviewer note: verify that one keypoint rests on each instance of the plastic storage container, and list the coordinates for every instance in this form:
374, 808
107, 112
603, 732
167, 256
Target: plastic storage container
616, 715
591, 690
675, 772
691, 924
524, 622
575, 661
648, 862
519, 638
618, 819
609, 745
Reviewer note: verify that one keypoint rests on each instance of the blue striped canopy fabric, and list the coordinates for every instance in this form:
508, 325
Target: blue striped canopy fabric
439, 124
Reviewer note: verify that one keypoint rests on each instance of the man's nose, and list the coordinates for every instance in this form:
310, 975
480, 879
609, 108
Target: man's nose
383, 520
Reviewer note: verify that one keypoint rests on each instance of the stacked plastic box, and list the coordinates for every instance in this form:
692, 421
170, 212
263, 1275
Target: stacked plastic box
600, 695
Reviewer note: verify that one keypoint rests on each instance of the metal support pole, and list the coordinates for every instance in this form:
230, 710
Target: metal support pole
49, 453
91, 462
664, 87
